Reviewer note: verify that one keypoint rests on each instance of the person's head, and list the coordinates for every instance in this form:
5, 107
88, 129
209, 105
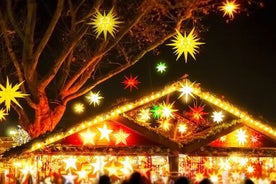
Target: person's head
181, 180
248, 181
137, 178
205, 181
104, 179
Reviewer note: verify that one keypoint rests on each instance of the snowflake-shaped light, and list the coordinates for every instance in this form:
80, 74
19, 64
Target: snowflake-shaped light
242, 136
9, 94
161, 67
94, 98
229, 8
78, 108
196, 113
144, 115
3, 113
131, 82
217, 116
105, 23
185, 44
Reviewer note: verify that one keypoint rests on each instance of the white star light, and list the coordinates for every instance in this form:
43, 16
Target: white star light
105, 132
217, 116
186, 90
94, 98
69, 178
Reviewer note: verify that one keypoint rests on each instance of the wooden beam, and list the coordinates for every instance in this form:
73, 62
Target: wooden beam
149, 134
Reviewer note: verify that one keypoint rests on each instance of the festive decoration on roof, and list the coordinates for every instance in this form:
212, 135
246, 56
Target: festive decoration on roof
3, 113
185, 44
9, 94
105, 23
186, 90
94, 98
197, 113
229, 8
19, 136
131, 82
217, 116
161, 67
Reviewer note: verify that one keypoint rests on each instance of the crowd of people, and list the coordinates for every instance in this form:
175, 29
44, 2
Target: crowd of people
138, 178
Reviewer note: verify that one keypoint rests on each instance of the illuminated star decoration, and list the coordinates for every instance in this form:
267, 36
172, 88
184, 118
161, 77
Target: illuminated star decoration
105, 132
78, 108
9, 94
217, 116
185, 44
167, 110
229, 8
88, 137
3, 113
131, 82
196, 113
70, 163
144, 115
182, 128
94, 98
105, 23
121, 137
69, 178
242, 137
186, 90
161, 67
156, 111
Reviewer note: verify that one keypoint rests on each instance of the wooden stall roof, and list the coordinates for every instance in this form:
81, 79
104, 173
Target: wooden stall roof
184, 98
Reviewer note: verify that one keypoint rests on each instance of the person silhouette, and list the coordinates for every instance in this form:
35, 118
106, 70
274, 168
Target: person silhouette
205, 181
182, 180
104, 179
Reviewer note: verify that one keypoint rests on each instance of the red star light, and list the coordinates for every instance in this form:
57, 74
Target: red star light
131, 82
196, 113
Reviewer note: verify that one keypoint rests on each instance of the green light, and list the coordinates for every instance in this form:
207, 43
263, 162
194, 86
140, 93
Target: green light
161, 67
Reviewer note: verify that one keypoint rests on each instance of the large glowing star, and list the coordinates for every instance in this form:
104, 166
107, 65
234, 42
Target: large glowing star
3, 113
186, 90
161, 67
229, 8
131, 82
196, 113
167, 110
69, 178
9, 94
88, 137
242, 136
185, 44
94, 98
105, 132
105, 23
70, 162
121, 137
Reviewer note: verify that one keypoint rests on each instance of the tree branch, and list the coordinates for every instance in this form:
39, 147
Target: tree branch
46, 36
13, 22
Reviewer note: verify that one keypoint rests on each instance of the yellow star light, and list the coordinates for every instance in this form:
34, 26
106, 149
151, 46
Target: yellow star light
217, 116
229, 8
99, 164
78, 108
88, 137
185, 44
242, 136
70, 162
113, 169
167, 110
144, 115
121, 137
94, 98
82, 175
105, 132
9, 94
3, 113
182, 128
105, 23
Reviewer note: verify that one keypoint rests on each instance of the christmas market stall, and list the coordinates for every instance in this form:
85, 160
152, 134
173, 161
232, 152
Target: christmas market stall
179, 130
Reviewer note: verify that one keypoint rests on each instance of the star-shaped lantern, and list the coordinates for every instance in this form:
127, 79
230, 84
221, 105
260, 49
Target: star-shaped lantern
217, 116
197, 113
186, 90
94, 98
131, 82
9, 94
88, 137
229, 8
105, 23
161, 67
78, 108
105, 132
185, 44
3, 113
121, 137
69, 178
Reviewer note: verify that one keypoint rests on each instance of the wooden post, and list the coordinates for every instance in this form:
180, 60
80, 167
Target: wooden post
173, 162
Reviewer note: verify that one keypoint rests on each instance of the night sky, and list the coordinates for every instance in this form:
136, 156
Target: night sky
237, 62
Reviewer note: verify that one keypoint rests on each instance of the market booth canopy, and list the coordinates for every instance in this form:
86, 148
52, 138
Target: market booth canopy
180, 119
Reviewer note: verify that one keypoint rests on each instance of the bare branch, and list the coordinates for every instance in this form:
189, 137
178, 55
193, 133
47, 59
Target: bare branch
13, 22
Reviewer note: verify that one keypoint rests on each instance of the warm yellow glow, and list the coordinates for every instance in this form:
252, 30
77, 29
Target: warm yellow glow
113, 169
167, 110
144, 115
185, 44
9, 94
182, 128
186, 90
242, 136
217, 116
214, 178
229, 8
82, 175
121, 137
88, 137
165, 124
70, 162
94, 98
127, 167
99, 164
78, 108
250, 169
3, 113
105, 132
105, 23
199, 177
